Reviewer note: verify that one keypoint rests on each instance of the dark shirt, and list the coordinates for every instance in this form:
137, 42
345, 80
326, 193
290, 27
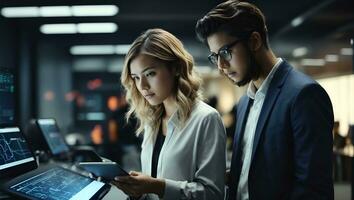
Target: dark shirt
156, 153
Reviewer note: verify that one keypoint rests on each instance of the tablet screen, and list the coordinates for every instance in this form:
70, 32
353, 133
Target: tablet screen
57, 184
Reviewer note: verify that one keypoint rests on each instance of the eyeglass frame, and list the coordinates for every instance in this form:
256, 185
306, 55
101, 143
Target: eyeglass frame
226, 48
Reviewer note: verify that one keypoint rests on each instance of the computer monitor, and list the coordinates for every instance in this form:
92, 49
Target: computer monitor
15, 154
7, 94
54, 139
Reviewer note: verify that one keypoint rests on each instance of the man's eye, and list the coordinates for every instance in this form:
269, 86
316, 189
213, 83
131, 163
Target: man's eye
224, 51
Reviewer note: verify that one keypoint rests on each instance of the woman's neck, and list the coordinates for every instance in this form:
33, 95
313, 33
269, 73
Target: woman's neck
170, 106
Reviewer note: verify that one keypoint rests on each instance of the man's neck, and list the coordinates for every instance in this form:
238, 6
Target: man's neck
266, 61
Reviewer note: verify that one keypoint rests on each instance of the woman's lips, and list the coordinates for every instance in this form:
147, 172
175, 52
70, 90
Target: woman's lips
149, 96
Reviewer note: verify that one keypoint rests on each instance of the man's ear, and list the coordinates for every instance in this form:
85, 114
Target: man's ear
255, 41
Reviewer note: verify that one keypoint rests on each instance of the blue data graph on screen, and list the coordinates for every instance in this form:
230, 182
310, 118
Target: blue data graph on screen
13, 148
7, 100
55, 184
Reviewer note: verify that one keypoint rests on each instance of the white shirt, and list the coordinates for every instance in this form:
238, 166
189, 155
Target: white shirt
250, 130
193, 157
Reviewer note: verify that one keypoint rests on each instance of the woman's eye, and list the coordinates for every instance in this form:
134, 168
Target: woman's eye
135, 78
150, 74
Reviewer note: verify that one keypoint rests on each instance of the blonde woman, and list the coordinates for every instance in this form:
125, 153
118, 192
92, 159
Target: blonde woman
183, 151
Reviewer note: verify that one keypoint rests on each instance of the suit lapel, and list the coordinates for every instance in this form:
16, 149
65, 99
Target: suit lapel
269, 101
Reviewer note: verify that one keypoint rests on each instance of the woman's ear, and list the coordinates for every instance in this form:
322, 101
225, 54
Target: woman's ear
255, 41
175, 70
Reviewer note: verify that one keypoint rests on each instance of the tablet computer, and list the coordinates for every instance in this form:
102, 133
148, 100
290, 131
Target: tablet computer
55, 183
20, 177
106, 170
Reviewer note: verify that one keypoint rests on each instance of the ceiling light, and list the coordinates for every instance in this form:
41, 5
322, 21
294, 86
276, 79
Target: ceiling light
297, 21
58, 28
55, 11
313, 62
78, 28
95, 10
331, 58
122, 49
346, 51
298, 52
92, 50
97, 27
20, 12
60, 11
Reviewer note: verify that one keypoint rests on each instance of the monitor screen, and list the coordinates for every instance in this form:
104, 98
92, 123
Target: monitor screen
53, 137
13, 148
7, 94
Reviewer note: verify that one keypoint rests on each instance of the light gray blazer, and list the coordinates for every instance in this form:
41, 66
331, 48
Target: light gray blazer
192, 159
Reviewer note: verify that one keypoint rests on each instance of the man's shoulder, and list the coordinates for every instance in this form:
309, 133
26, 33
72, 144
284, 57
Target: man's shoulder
296, 81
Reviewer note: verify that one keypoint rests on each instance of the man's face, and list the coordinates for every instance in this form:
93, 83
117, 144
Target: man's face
233, 61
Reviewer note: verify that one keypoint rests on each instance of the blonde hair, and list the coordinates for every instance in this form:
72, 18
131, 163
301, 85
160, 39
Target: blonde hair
165, 47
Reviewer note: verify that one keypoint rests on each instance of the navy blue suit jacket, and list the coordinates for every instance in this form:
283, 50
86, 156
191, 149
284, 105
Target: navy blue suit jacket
292, 150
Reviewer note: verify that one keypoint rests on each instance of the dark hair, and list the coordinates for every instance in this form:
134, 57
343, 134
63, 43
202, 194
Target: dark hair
237, 19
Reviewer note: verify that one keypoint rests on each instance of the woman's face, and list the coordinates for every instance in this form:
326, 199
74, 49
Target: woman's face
152, 78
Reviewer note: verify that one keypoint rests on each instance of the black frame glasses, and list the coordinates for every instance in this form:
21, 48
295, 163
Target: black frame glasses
224, 52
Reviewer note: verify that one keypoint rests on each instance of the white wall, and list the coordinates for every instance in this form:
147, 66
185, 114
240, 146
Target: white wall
341, 91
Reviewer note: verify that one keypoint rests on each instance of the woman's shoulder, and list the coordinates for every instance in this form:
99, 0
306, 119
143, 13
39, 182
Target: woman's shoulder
203, 110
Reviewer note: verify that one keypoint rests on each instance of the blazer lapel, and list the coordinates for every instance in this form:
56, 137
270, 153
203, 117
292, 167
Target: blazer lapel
269, 101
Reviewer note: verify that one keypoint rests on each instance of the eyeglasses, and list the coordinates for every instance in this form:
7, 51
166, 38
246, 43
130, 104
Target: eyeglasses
224, 53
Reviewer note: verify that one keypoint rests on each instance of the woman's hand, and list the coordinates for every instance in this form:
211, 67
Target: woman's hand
138, 184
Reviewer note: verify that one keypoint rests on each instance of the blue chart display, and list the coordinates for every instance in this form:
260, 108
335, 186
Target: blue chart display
56, 184
13, 147
7, 100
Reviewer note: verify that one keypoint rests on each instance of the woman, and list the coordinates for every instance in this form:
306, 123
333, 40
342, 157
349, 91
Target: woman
183, 151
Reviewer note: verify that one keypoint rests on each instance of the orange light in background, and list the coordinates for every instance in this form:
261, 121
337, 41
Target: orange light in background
112, 103
49, 95
80, 101
70, 96
97, 135
94, 84
113, 131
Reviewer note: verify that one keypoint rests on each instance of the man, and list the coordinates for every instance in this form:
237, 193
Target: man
283, 140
